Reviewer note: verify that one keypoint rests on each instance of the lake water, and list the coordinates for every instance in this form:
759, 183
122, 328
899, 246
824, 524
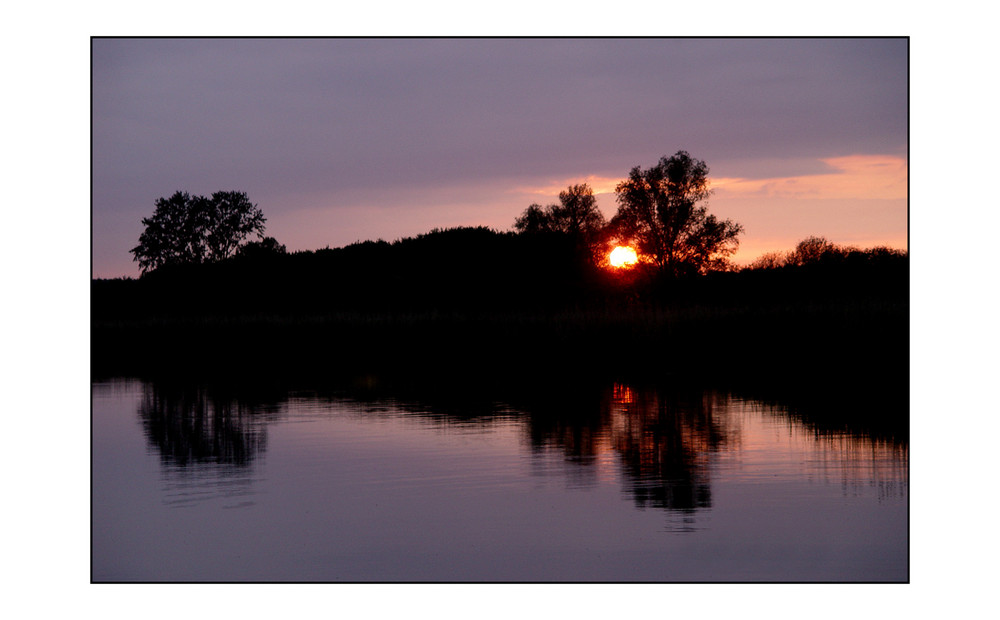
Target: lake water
616, 482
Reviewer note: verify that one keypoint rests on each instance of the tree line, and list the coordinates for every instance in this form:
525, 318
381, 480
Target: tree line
662, 213
820, 251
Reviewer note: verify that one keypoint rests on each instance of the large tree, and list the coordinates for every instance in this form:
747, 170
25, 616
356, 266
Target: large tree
661, 211
196, 229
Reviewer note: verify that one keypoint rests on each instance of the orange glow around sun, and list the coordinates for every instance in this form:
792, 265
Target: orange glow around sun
623, 256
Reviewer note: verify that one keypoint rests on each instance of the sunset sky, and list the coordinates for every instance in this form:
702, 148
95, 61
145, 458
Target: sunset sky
341, 140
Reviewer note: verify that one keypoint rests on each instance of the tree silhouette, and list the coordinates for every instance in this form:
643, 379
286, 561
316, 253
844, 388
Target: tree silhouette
534, 220
576, 215
768, 260
812, 250
196, 229
230, 219
660, 211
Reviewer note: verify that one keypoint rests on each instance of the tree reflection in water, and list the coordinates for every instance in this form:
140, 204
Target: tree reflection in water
663, 440
190, 425
665, 444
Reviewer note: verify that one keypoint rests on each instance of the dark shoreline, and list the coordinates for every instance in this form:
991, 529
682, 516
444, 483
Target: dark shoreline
839, 364
487, 310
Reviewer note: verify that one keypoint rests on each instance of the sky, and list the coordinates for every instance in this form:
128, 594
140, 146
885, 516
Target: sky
340, 140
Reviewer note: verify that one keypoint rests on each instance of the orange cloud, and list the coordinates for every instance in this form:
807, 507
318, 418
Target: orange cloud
600, 185
881, 177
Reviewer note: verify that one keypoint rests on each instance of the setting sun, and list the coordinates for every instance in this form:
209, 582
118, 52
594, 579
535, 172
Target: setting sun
623, 256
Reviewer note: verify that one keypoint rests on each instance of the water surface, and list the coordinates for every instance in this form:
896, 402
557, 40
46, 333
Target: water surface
609, 482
